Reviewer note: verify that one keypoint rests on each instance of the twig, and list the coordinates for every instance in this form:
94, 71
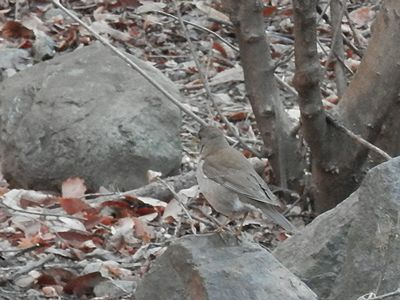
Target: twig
23, 251
215, 221
203, 221
384, 296
206, 85
352, 28
95, 195
351, 134
46, 214
345, 39
357, 138
286, 212
200, 28
177, 198
323, 12
337, 57
283, 83
16, 12
33, 266
335, 36
285, 60
131, 63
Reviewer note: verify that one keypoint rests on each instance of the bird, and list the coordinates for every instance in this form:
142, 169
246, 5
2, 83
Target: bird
229, 182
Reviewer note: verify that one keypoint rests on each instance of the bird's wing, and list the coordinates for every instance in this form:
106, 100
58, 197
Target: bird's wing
245, 182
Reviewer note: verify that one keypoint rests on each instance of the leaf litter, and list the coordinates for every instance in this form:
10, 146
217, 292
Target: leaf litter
54, 245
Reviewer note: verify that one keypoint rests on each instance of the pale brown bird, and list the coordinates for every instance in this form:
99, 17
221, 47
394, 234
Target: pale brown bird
229, 182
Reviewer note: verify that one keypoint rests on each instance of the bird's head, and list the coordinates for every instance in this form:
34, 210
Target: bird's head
211, 139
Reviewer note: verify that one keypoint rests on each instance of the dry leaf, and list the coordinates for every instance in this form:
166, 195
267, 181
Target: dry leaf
362, 15
73, 188
73, 206
83, 285
213, 13
14, 29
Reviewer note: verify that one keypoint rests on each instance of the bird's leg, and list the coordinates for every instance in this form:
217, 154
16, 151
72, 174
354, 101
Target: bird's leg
239, 232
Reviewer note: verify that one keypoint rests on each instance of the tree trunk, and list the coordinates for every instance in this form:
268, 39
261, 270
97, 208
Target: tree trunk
247, 19
368, 106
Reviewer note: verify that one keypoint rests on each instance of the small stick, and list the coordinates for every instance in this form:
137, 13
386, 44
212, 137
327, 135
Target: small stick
176, 196
33, 266
357, 138
384, 296
200, 28
46, 214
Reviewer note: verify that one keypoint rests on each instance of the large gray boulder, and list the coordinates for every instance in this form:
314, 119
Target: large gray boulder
219, 268
87, 114
353, 249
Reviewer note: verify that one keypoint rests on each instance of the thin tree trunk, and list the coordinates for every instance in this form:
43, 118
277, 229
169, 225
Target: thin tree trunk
272, 120
337, 9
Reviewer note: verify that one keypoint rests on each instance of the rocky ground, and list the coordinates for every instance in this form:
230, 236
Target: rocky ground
102, 243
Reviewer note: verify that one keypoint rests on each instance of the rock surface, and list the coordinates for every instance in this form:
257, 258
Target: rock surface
353, 249
87, 114
209, 267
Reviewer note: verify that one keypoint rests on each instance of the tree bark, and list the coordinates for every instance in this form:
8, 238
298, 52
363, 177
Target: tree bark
248, 22
369, 101
337, 9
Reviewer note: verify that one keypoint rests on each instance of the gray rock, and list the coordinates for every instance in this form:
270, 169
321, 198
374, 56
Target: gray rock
54, 12
87, 114
211, 267
12, 60
44, 47
114, 288
354, 248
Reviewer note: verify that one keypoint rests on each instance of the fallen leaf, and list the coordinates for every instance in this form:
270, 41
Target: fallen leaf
83, 285
14, 29
269, 10
212, 13
73, 188
237, 116
362, 15
73, 205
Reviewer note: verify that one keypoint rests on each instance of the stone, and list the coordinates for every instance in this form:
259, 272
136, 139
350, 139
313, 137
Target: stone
87, 114
219, 267
113, 288
353, 249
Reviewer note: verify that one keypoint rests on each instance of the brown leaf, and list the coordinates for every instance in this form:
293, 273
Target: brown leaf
71, 38
269, 10
83, 285
14, 29
237, 116
362, 15
76, 239
217, 46
143, 231
72, 206
55, 276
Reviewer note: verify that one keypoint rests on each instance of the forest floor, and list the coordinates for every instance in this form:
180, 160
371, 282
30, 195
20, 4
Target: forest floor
119, 237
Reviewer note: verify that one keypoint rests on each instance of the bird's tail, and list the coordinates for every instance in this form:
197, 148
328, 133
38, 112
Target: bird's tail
280, 219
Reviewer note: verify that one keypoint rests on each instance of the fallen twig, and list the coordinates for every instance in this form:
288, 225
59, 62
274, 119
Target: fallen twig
45, 214
372, 296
